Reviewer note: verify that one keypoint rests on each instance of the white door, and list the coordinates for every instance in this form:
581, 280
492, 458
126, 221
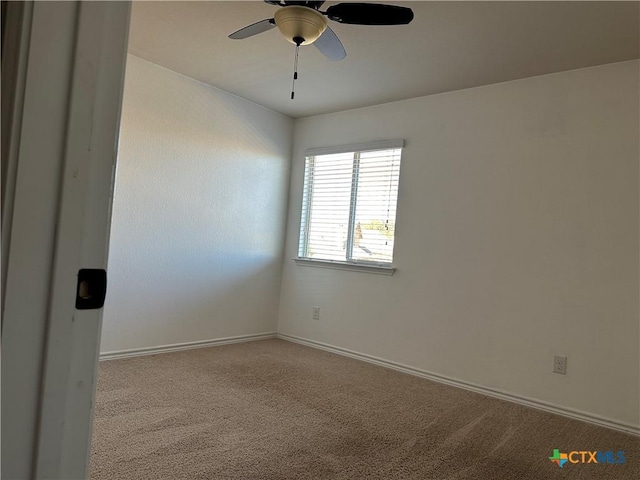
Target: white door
56, 208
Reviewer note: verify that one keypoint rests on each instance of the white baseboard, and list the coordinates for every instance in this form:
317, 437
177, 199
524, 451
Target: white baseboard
137, 352
510, 397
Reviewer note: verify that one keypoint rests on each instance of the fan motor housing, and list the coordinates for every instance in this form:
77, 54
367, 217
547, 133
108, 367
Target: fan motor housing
300, 22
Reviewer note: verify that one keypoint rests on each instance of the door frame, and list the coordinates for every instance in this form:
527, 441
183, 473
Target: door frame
64, 138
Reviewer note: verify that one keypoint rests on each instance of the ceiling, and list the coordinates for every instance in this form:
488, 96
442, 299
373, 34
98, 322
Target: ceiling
448, 46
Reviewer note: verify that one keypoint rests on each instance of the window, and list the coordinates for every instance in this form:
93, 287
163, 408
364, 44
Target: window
349, 203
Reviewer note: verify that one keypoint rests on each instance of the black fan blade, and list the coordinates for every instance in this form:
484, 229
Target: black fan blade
330, 46
254, 29
369, 14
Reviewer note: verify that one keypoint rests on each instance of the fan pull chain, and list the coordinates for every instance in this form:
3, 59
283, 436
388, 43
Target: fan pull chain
298, 41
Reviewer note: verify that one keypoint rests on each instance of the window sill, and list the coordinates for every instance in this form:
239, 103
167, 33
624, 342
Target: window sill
354, 267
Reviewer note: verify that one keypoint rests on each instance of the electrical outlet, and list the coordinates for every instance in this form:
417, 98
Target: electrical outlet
316, 313
560, 364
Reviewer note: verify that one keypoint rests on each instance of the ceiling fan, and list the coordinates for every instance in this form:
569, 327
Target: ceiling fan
303, 23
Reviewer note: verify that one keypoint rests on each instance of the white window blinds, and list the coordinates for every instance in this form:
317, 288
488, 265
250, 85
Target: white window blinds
349, 203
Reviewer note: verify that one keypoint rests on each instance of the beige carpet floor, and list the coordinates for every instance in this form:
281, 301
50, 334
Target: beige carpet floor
277, 410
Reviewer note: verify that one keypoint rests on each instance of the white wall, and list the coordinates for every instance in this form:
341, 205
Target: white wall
517, 239
198, 218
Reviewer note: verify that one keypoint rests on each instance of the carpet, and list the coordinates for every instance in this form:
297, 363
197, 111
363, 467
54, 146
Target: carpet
273, 409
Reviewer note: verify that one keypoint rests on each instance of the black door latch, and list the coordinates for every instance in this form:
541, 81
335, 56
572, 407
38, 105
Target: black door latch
92, 288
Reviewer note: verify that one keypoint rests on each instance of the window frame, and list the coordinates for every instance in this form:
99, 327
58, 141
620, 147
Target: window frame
350, 263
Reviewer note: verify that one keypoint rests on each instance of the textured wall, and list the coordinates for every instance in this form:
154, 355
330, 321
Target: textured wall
198, 216
517, 239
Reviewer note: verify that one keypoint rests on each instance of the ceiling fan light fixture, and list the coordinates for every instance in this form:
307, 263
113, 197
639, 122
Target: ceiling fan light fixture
295, 22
